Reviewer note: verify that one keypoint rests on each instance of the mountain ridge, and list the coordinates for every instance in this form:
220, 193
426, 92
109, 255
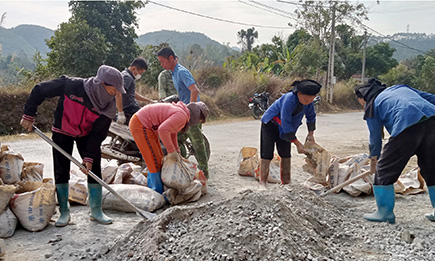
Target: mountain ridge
24, 40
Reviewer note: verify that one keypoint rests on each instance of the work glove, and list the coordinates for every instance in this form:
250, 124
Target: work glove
121, 118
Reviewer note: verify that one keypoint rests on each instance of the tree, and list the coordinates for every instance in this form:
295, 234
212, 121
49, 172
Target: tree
297, 37
348, 52
150, 76
316, 16
195, 59
305, 60
399, 75
427, 75
76, 49
98, 32
379, 59
117, 21
247, 38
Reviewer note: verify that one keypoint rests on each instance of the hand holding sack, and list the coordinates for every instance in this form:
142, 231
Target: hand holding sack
176, 173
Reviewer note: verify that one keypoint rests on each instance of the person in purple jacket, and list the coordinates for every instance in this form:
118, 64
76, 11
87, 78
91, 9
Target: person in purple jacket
280, 123
85, 109
409, 116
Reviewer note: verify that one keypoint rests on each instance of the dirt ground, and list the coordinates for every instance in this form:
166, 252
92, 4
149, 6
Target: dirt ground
236, 220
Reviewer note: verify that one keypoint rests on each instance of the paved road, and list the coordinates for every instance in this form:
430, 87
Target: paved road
340, 133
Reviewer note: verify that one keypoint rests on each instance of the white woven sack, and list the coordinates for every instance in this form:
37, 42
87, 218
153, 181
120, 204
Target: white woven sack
35, 207
142, 197
178, 174
8, 223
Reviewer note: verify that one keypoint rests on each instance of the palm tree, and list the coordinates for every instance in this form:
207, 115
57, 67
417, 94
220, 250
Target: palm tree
247, 38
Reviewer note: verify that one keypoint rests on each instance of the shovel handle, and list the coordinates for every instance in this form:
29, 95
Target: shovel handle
142, 213
344, 184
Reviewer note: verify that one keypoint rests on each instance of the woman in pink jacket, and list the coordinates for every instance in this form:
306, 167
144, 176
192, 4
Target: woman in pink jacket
164, 121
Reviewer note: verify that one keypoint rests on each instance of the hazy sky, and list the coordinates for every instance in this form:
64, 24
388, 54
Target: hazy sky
387, 17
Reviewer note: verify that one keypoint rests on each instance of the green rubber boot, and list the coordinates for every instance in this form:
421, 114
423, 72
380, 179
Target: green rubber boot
95, 202
431, 190
62, 191
384, 196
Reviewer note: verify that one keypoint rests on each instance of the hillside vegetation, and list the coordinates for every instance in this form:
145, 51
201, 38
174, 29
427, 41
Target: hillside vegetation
226, 78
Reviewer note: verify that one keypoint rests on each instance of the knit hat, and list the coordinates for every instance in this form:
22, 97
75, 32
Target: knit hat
111, 76
196, 109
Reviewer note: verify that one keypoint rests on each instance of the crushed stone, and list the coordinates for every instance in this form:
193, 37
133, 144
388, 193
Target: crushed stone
286, 223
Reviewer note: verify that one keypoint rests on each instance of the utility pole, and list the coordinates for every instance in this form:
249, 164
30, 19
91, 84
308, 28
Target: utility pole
364, 58
330, 75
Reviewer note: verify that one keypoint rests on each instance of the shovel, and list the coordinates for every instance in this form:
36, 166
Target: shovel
142, 213
344, 184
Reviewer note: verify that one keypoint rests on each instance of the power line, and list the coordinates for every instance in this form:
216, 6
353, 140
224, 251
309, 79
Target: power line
215, 18
389, 37
290, 2
273, 8
267, 8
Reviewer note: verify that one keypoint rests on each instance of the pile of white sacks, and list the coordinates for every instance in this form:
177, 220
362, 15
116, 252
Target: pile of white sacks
328, 171
25, 196
28, 198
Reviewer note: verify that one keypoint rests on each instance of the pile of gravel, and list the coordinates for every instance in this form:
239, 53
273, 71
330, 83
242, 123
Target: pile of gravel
286, 223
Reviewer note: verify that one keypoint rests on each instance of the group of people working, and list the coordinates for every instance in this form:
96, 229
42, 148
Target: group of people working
86, 108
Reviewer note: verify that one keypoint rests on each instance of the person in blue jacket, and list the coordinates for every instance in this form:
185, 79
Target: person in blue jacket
409, 116
280, 123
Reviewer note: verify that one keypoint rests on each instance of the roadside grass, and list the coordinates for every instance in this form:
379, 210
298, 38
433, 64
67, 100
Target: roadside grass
225, 92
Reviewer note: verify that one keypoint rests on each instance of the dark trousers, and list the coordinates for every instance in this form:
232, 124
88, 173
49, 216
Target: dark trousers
129, 112
269, 136
419, 140
62, 164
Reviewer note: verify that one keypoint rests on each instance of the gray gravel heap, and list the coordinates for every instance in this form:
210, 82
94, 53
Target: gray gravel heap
284, 223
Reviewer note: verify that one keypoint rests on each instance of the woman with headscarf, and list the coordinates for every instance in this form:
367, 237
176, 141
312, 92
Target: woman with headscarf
164, 121
84, 112
409, 116
280, 123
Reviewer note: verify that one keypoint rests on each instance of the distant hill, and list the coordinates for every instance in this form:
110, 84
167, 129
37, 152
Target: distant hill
182, 42
35, 35
176, 40
419, 41
24, 40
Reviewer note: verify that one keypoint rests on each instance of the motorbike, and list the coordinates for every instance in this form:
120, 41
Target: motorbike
316, 103
259, 104
120, 145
